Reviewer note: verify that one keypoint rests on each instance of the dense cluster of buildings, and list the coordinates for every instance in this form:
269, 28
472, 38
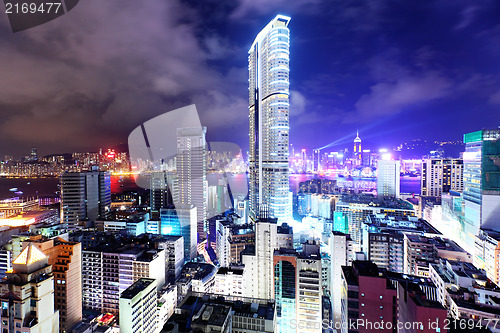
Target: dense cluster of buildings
193, 257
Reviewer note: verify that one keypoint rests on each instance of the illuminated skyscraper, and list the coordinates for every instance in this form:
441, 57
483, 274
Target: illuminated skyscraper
357, 149
268, 65
481, 182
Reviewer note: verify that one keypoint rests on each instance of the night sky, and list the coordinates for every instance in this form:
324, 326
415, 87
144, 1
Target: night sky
396, 70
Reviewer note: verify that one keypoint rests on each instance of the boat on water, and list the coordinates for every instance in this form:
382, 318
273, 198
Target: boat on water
14, 189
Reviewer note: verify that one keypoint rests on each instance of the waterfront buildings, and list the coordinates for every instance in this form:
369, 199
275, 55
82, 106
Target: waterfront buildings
358, 153
388, 178
85, 196
15, 206
268, 65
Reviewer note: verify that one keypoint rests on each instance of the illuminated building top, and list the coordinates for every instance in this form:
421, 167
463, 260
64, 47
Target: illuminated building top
29, 255
357, 139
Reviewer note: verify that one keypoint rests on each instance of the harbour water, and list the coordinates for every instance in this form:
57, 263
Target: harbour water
33, 187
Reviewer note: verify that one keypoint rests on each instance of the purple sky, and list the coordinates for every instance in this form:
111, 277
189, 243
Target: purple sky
395, 70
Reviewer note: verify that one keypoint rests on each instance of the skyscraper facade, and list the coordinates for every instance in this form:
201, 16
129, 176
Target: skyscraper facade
481, 182
159, 192
268, 65
191, 182
85, 196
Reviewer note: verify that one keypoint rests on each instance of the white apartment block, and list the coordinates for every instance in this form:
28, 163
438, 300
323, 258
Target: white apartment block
341, 252
138, 307
230, 281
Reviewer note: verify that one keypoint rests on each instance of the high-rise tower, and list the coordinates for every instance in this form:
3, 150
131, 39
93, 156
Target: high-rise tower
191, 181
85, 196
268, 65
481, 183
357, 150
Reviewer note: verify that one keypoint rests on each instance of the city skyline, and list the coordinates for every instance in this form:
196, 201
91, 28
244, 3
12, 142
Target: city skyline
359, 66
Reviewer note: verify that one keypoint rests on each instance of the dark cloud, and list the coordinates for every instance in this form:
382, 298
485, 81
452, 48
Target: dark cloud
86, 79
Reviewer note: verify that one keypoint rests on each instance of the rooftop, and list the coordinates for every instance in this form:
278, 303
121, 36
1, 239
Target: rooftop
212, 314
197, 270
400, 223
373, 201
236, 270
136, 288
244, 307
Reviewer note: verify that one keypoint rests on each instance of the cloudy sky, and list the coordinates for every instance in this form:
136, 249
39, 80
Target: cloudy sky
396, 70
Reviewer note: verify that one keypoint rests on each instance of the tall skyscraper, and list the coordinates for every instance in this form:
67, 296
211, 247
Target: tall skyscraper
388, 181
268, 65
190, 186
85, 196
159, 193
358, 153
481, 182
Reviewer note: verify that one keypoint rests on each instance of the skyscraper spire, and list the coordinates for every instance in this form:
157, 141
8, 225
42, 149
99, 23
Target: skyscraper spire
357, 139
